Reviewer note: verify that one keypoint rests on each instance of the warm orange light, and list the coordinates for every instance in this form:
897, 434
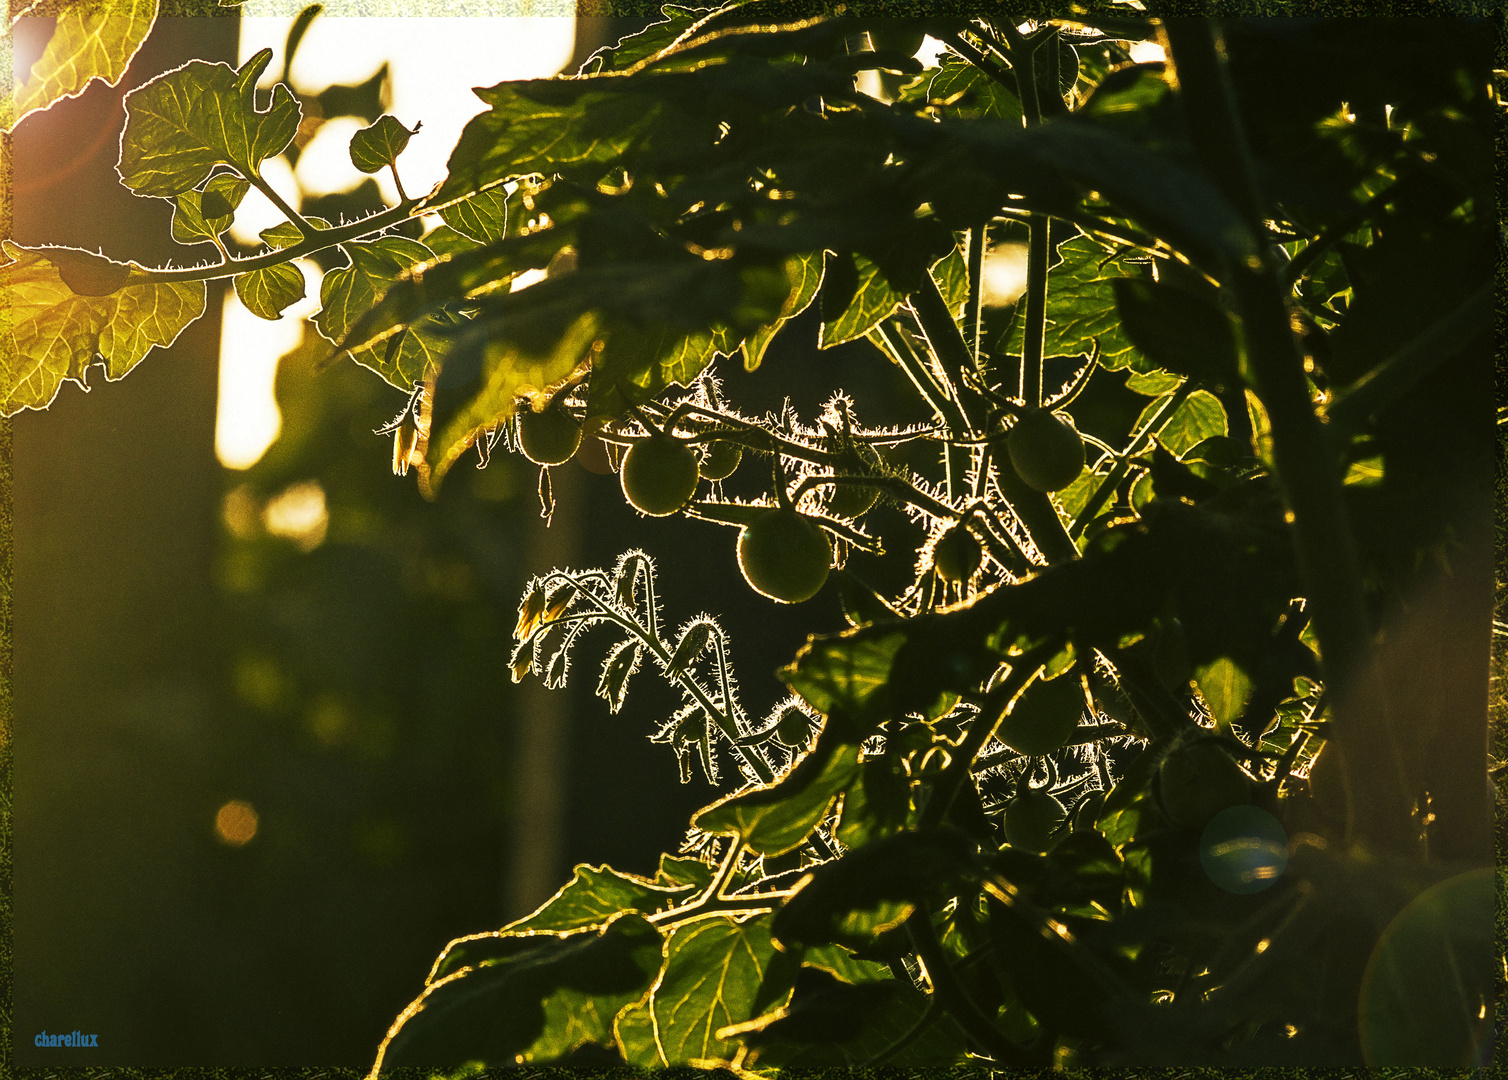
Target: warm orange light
236, 823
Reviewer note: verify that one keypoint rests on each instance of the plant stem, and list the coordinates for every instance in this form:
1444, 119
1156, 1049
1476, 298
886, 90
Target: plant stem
318, 240
1307, 465
950, 992
304, 226
981, 730
972, 309
1035, 328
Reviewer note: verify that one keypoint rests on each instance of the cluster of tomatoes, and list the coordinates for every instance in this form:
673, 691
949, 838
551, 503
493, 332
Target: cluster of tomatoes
784, 554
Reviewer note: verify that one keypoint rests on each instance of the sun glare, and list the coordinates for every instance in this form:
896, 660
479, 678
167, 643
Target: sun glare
434, 63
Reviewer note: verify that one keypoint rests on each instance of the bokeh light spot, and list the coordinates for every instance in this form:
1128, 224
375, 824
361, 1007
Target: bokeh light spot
1244, 849
236, 823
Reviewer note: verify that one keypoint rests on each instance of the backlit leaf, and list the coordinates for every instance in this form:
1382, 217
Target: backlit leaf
961, 89
1225, 689
182, 124
873, 302
775, 818
348, 293
52, 334
266, 292
378, 145
205, 214
1200, 417
1081, 308
717, 972
595, 894
483, 217
845, 672
634, 1034
90, 41
805, 274
540, 998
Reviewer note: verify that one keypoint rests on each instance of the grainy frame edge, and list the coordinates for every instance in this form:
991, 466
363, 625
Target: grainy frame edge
1499, 696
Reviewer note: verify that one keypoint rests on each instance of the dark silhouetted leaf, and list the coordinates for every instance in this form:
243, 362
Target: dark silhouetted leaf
1178, 330
873, 888
204, 215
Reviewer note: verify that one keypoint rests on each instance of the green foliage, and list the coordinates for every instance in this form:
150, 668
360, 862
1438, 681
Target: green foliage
1000, 772
181, 125
53, 333
90, 42
377, 146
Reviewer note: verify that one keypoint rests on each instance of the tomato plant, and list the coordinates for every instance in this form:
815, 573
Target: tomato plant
1164, 527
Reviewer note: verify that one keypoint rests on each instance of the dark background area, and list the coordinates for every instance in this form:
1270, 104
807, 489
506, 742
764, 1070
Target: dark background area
172, 656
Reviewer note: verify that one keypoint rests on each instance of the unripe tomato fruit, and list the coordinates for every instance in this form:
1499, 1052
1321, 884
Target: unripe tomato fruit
722, 458
1046, 450
659, 475
957, 554
1030, 819
1199, 780
794, 728
549, 437
851, 500
784, 556
1044, 717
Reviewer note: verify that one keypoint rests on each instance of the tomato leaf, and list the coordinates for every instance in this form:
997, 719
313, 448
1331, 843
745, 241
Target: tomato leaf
483, 217
961, 89
89, 42
53, 334
1178, 330
777, 817
378, 145
1081, 308
266, 292
348, 293
718, 972
594, 895
873, 302
1200, 417
544, 997
844, 673
805, 275
203, 214
182, 124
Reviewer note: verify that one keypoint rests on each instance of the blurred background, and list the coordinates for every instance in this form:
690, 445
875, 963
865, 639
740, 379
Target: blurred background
269, 759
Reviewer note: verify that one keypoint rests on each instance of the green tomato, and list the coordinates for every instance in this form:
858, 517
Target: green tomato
722, 458
549, 437
784, 556
659, 475
1046, 450
794, 728
849, 501
1031, 818
1044, 717
1198, 780
957, 554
